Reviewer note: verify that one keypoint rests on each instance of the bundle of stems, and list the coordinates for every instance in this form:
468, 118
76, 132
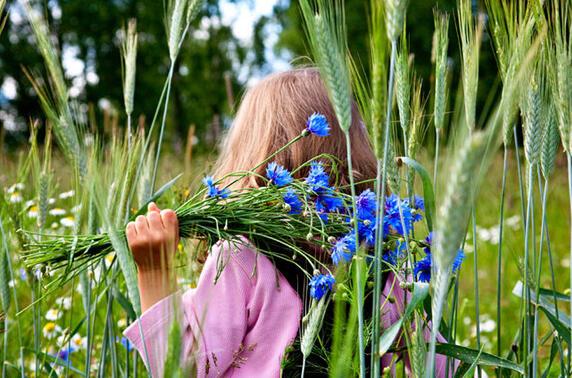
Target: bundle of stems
260, 214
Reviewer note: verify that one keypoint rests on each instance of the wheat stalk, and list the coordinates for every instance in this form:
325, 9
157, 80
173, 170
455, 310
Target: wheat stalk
550, 142
394, 17
450, 226
441, 38
403, 88
470, 35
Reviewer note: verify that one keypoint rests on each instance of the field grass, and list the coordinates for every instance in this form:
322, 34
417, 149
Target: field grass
487, 247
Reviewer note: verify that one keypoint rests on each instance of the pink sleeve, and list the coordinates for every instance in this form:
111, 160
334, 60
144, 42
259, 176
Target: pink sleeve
392, 312
225, 324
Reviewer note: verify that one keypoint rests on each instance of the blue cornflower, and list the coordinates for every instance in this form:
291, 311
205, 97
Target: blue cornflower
344, 248
64, 354
417, 208
392, 219
317, 177
213, 190
429, 241
366, 231
23, 274
458, 260
321, 284
126, 344
278, 175
422, 269
292, 200
317, 124
366, 205
328, 201
391, 256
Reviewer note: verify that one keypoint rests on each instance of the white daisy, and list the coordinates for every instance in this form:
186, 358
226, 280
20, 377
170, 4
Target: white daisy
109, 259
57, 211
68, 194
33, 211
50, 330
78, 342
64, 302
15, 188
15, 197
122, 323
53, 314
68, 221
51, 201
29, 203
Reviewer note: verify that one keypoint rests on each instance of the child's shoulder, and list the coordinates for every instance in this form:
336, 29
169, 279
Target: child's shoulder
241, 253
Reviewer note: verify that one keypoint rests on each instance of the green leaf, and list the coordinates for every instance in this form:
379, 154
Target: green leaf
124, 302
420, 292
5, 275
143, 209
428, 194
387, 338
562, 329
553, 351
469, 355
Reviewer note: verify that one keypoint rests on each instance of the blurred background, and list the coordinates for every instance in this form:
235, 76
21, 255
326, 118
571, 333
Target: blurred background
233, 43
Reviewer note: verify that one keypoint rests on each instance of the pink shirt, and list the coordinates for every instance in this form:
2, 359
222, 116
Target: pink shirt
253, 315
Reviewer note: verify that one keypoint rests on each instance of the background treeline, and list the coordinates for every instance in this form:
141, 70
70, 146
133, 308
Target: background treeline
208, 79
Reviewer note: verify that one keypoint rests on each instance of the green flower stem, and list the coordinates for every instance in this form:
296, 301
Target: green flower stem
569, 160
526, 330
436, 162
359, 278
499, 254
476, 282
163, 122
380, 192
543, 234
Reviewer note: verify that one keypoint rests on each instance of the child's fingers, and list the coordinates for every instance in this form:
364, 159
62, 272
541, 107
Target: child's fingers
170, 222
130, 232
155, 222
152, 207
141, 225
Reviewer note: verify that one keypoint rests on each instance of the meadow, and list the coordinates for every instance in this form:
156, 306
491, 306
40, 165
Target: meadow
494, 185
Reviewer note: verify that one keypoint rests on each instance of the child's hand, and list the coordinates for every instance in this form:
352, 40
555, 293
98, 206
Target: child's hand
153, 239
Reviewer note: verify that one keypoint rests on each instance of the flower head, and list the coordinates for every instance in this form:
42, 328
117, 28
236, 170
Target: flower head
126, 344
278, 175
366, 205
417, 208
344, 248
422, 269
317, 177
327, 201
53, 314
292, 200
317, 124
213, 190
395, 208
50, 330
321, 284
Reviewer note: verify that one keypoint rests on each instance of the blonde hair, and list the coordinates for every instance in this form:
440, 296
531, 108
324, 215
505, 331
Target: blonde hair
275, 111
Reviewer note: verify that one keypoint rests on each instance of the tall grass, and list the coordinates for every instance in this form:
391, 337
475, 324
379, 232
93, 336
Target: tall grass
114, 175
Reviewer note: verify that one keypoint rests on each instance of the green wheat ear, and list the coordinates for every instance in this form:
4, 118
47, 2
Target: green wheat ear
403, 86
326, 33
550, 142
395, 17
470, 35
441, 39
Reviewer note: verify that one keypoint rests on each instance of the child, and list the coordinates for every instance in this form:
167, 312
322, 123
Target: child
241, 325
